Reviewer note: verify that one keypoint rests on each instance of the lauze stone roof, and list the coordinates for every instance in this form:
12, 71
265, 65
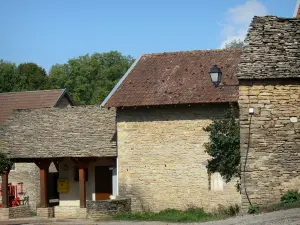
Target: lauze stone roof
178, 78
28, 100
59, 132
273, 49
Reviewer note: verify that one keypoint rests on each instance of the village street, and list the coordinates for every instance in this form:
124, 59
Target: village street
285, 217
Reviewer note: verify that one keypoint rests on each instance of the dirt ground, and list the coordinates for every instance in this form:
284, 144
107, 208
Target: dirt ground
285, 217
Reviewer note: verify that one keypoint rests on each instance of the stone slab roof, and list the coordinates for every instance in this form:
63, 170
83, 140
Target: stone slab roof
59, 132
177, 78
273, 49
28, 100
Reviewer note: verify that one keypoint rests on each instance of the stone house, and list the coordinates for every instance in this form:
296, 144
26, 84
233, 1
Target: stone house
81, 142
28, 173
269, 78
163, 103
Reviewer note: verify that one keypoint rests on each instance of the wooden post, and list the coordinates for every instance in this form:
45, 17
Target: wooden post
5, 188
44, 168
82, 186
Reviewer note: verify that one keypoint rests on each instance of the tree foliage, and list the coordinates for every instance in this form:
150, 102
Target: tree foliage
24, 77
224, 145
5, 162
90, 78
30, 77
7, 76
235, 44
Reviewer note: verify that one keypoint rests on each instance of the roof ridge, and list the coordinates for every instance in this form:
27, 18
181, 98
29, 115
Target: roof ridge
191, 51
13, 92
278, 18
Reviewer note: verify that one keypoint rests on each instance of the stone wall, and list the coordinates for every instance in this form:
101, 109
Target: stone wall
45, 212
103, 208
29, 174
4, 214
161, 158
273, 160
15, 212
272, 50
63, 102
19, 212
69, 212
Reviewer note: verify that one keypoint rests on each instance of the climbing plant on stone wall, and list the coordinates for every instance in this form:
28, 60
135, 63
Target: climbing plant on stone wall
224, 145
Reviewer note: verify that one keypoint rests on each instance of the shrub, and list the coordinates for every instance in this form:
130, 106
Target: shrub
224, 145
290, 197
232, 210
253, 209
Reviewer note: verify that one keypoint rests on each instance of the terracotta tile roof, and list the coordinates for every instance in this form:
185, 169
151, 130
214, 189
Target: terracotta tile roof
178, 78
27, 100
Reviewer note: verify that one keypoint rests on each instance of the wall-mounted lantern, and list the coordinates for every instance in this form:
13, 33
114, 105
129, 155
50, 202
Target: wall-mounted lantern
215, 74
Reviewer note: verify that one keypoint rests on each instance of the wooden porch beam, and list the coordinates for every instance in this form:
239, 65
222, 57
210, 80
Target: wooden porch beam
82, 187
5, 188
44, 169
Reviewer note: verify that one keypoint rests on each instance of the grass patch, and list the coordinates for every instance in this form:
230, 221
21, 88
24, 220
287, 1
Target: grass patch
279, 206
173, 215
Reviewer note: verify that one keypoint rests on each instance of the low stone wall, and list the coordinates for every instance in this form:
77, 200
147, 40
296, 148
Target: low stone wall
19, 212
69, 212
4, 214
45, 212
102, 208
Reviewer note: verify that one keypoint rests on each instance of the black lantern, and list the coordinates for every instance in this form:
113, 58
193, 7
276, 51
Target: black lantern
215, 75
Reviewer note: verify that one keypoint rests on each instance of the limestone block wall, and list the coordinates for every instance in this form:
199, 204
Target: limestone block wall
274, 154
161, 158
67, 212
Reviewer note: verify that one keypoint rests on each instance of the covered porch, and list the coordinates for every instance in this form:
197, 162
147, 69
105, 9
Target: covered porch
81, 142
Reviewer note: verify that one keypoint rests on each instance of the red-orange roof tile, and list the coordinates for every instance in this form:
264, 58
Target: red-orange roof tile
27, 100
178, 78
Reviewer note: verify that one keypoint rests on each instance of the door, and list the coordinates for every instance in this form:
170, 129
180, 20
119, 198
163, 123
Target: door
103, 182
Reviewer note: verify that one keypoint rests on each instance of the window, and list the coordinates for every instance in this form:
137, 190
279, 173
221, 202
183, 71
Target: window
215, 182
76, 174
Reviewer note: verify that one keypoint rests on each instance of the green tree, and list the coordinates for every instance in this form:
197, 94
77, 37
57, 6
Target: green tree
224, 145
235, 44
30, 77
90, 78
7, 76
5, 162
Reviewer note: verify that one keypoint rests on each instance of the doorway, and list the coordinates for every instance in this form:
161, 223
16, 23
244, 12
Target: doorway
103, 182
